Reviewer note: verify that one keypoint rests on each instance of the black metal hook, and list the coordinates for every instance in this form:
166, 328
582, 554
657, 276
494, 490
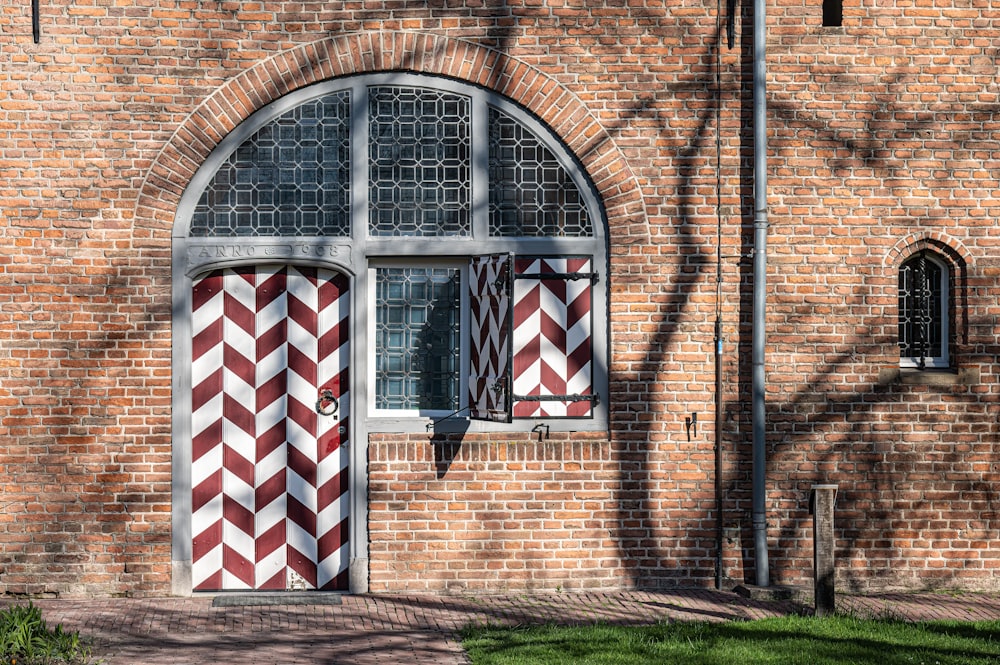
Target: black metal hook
691, 424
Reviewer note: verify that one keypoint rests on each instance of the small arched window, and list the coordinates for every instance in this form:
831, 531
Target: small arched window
924, 285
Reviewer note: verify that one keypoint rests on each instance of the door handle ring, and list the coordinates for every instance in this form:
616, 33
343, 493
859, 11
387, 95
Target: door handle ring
327, 404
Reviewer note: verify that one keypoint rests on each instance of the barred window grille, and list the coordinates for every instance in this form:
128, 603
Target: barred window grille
923, 320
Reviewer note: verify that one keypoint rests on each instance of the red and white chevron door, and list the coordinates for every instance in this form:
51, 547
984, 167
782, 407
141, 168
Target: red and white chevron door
269, 471
552, 337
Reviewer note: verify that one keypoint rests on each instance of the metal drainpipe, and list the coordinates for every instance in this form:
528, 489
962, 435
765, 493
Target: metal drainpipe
759, 471
719, 525
36, 27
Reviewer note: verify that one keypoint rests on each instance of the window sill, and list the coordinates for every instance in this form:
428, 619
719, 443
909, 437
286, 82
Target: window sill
909, 376
384, 425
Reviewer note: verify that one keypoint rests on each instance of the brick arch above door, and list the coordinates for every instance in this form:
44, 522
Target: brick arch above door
565, 113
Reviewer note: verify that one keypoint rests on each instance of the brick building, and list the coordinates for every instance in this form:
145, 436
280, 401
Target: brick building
398, 296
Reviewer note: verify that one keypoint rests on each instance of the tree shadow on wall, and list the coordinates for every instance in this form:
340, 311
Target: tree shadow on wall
881, 440
87, 409
682, 115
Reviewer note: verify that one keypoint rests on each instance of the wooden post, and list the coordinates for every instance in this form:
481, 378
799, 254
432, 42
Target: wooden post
821, 504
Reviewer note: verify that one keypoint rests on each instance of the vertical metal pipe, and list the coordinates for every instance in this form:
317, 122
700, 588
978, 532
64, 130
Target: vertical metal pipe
719, 523
718, 298
36, 27
759, 471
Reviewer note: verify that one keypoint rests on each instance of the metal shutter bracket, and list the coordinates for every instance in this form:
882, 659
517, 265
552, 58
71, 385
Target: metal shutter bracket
572, 276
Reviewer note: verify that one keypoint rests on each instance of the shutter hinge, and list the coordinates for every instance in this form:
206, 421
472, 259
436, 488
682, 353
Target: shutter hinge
571, 276
593, 399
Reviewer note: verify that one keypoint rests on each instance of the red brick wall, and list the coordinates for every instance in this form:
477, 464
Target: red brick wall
883, 136
571, 512
885, 143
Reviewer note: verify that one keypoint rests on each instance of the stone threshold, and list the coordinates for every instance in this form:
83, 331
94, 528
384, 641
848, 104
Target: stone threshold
262, 598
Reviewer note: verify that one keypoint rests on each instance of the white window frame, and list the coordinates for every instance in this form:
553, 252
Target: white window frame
450, 264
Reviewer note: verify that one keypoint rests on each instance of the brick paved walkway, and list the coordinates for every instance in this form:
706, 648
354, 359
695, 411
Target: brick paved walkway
413, 630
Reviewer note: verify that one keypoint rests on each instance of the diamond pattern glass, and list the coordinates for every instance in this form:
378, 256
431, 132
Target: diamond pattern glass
291, 178
417, 333
420, 150
531, 194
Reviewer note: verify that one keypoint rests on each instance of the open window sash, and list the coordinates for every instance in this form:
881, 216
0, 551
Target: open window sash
532, 328
490, 287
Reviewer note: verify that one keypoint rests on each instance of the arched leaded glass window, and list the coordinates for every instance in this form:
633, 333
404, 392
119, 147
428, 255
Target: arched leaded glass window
530, 192
420, 151
923, 311
476, 240
293, 176
290, 178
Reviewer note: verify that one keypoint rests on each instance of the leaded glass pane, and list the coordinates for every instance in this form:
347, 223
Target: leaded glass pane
291, 178
920, 309
417, 354
531, 194
420, 154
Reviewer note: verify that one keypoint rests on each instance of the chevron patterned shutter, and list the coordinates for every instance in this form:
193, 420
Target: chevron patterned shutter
490, 323
552, 337
269, 474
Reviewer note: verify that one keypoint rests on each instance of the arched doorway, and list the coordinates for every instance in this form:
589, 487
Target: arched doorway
467, 250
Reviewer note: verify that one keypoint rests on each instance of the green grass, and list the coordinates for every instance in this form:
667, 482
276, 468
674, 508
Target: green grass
780, 641
25, 639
